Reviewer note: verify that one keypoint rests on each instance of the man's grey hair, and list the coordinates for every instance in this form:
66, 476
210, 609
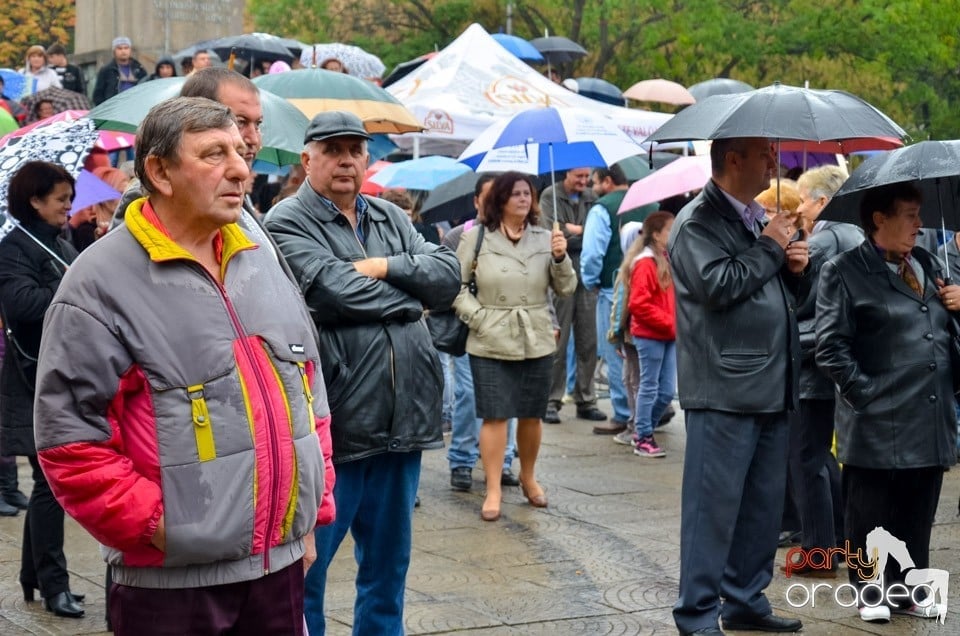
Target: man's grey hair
161, 131
823, 181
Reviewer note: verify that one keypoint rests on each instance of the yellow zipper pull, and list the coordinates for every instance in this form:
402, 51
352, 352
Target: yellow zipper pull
202, 430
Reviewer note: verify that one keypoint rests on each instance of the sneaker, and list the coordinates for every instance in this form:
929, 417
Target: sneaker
568, 399
591, 413
878, 614
626, 437
461, 478
930, 610
647, 447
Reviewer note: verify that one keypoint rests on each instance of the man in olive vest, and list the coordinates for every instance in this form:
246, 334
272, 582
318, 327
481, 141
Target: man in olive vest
600, 259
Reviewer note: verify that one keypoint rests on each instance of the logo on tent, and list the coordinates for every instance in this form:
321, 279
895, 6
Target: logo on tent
512, 91
438, 121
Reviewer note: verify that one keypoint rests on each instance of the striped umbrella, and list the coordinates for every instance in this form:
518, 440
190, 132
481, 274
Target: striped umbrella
315, 91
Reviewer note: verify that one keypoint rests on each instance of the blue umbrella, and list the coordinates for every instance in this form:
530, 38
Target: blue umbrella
519, 47
13, 83
420, 174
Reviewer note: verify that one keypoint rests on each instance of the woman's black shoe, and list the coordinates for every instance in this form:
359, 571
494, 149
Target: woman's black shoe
62, 604
29, 597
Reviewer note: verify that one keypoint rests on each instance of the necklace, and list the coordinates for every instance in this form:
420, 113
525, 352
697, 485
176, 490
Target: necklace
513, 235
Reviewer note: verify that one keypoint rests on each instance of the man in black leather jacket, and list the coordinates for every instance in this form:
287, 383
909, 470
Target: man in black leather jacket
738, 360
367, 276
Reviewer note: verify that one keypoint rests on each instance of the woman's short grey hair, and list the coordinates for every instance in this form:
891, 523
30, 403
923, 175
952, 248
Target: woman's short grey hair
161, 131
823, 181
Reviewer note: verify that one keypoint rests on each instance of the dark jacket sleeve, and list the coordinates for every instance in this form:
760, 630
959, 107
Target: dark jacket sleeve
428, 272
23, 294
716, 277
835, 336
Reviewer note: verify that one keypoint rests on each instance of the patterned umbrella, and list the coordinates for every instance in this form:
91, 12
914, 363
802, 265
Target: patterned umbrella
283, 125
107, 140
61, 98
355, 60
315, 90
66, 143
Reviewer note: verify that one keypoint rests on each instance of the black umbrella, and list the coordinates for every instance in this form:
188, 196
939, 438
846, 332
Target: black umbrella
403, 69
251, 48
780, 112
600, 90
718, 86
557, 49
451, 201
934, 166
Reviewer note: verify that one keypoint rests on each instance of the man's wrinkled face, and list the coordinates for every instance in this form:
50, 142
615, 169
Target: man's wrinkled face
245, 105
335, 166
576, 180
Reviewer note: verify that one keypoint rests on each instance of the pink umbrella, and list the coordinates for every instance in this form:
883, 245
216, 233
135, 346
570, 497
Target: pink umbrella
682, 175
659, 90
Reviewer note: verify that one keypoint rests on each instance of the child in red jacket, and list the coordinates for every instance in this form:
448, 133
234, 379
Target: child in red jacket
653, 325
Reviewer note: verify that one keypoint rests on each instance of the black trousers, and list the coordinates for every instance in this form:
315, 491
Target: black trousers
902, 502
814, 475
42, 562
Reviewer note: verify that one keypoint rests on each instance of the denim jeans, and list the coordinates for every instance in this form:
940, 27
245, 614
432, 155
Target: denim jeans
448, 383
614, 363
465, 437
374, 497
658, 381
571, 366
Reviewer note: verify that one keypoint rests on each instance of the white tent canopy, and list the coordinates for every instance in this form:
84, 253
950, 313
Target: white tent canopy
475, 82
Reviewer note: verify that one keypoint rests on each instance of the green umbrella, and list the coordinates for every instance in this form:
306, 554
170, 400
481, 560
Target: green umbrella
7, 122
314, 91
283, 125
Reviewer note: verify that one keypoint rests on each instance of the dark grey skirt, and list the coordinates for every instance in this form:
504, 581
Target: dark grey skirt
511, 388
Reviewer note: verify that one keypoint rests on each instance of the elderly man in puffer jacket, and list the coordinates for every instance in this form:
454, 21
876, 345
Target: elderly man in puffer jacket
181, 416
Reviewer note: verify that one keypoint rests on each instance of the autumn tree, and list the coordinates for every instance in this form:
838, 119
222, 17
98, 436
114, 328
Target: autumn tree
27, 22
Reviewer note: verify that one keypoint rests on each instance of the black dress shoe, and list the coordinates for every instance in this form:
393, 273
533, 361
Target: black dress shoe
552, 416
667, 416
7, 510
461, 478
507, 478
17, 499
62, 604
768, 623
591, 413
706, 631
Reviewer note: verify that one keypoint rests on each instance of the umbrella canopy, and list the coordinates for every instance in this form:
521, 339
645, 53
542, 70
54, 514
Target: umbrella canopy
191, 50
90, 190
782, 112
250, 47
314, 90
14, 83
368, 186
295, 47
718, 86
451, 201
61, 98
660, 90
557, 49
403, 69
683, 175
420, 174
66, 143
542, 140
283, 125
600, 90
356, 61
106, 140
637, 167
519, 47
934, 166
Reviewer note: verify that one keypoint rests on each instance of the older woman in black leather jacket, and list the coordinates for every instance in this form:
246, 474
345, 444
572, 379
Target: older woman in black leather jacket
882, 337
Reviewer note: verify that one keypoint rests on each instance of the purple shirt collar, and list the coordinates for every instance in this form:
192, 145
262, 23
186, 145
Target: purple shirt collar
750, 213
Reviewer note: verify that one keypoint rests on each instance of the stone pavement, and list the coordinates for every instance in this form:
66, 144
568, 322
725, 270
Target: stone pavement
602, 559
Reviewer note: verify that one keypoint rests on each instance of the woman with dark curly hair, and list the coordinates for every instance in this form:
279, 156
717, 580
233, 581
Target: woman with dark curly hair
511, 341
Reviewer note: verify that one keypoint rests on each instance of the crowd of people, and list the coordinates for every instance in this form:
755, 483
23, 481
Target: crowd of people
318, 387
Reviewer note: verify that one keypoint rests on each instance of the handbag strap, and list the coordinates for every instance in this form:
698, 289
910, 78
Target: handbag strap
476, 256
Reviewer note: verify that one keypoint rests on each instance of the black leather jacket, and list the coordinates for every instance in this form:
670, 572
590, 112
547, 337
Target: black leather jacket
827, 242
383, 376
887, 351
737, 343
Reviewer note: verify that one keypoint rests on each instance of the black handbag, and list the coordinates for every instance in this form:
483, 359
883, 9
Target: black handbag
448, 332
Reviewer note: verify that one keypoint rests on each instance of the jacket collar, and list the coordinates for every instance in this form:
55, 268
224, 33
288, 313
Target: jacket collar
326, 211
874, 264
715, 198
161, 248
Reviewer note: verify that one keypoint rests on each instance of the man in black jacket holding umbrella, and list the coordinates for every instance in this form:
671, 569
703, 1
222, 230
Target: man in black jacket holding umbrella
738, 366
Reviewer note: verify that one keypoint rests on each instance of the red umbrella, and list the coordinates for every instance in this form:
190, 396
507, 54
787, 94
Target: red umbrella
369, 187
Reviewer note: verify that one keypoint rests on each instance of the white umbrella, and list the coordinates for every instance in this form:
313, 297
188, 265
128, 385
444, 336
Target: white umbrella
355, 60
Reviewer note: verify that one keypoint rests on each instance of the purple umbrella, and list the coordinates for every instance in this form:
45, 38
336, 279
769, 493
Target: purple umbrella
91, 190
